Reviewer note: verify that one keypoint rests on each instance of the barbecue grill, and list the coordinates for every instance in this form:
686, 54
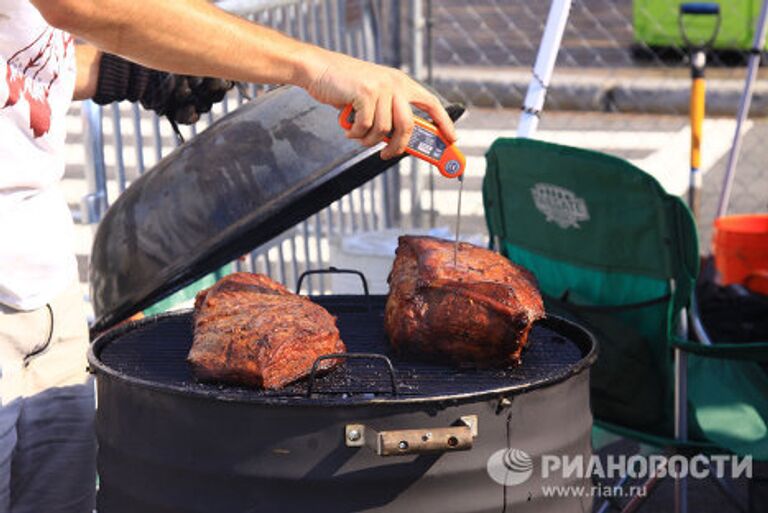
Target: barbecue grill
378, 433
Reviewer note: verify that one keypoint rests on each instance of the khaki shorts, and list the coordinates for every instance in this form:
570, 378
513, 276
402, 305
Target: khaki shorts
47, 441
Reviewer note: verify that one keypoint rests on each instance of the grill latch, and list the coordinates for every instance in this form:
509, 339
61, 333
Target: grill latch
459, 437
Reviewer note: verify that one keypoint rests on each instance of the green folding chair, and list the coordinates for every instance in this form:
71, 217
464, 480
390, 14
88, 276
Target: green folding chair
616, 253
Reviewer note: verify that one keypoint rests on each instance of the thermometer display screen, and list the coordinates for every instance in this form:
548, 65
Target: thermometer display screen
426, 143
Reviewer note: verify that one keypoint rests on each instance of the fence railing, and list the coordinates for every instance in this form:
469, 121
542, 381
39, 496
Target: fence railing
123, 141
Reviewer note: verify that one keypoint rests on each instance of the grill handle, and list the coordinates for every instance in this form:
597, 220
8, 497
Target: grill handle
336, 270
402, 442
352, 356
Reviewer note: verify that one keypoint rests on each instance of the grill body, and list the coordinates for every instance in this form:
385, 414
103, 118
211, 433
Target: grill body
168, 444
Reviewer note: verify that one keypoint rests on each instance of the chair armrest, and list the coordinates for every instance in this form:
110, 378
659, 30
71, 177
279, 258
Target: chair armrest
751, 351
696, 323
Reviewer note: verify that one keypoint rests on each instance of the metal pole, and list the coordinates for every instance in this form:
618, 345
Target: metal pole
119, 160
430, 50
395, 186
372, 22
746, 100
542, 70
430, 81
418, 25
95, 203
681, 412
396, 42
681, 424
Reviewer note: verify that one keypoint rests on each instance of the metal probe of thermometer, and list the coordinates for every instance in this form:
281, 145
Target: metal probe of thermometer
428, 144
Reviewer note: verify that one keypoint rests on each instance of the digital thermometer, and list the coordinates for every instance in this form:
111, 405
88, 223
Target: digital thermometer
426, 143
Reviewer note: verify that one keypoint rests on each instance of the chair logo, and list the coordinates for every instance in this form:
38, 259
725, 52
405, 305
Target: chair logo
559, 205
510, 467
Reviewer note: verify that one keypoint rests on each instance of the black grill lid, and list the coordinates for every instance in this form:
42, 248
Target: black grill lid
247, 178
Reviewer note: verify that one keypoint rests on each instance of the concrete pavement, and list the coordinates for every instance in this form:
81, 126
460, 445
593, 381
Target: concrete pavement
627, 90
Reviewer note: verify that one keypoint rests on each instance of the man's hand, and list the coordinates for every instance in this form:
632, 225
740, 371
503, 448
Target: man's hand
382, 99
87, 58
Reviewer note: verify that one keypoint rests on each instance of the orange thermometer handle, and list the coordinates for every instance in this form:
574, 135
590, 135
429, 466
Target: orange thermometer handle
426, 143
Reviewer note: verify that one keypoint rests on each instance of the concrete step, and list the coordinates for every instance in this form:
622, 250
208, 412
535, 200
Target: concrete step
636, 90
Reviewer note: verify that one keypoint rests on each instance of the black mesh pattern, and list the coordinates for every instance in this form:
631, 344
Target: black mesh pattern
154, 352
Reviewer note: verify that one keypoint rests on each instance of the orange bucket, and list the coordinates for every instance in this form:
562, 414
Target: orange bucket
740, 246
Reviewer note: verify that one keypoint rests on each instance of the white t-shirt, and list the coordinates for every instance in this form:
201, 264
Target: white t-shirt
37, 77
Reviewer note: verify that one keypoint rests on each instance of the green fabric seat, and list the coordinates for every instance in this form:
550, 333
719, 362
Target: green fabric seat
612, 250
188, 293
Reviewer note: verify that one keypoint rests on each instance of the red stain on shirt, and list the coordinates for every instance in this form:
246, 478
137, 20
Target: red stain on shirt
45, 54
39, 114
15, 83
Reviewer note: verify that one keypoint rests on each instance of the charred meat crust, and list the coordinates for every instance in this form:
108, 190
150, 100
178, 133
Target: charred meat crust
250, 330
478, 312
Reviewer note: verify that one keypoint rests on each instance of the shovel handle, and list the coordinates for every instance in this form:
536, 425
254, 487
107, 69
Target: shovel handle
705, 8
699, 9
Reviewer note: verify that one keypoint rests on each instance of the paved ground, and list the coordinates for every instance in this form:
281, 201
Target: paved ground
704, 495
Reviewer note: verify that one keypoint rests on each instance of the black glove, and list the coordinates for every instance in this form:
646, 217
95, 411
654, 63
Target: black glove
181, 98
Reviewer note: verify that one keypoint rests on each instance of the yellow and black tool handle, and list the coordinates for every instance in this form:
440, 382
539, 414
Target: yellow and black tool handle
698, 50
697, 111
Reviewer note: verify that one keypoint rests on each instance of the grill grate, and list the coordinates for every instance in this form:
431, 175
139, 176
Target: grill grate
155, 350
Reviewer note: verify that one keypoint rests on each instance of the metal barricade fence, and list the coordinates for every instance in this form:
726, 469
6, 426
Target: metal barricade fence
123, 141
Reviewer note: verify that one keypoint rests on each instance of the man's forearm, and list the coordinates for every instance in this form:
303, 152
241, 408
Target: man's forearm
193, 37
87, 58
186, 36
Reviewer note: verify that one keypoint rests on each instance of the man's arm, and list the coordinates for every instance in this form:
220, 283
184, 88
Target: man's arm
194, 37
87, 57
